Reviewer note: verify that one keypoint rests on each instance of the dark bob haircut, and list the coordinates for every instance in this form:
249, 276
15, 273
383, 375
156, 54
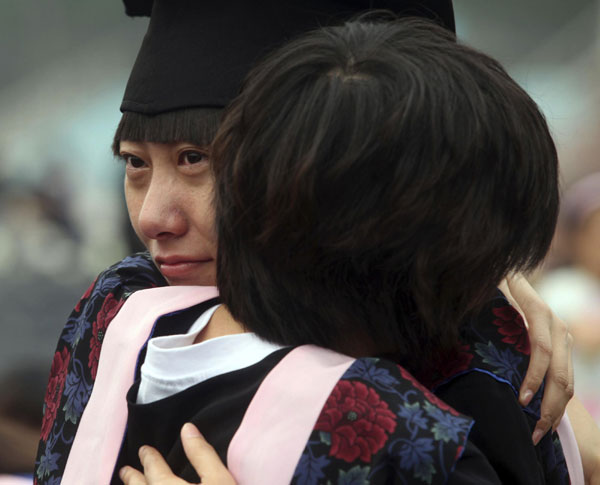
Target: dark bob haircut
374, 184
194, 125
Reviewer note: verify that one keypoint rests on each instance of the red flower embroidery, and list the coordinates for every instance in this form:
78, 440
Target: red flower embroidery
432, 398
445, 365
457, 362
512, 327
358, 421
56, 384
85, 296
109, 309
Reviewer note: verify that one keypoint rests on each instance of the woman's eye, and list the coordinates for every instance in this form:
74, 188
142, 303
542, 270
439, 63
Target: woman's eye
192, 157
133, 161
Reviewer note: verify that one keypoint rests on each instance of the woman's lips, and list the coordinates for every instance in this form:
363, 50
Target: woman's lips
175, 269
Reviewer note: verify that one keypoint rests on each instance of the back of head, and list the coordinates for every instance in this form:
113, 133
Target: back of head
375, 182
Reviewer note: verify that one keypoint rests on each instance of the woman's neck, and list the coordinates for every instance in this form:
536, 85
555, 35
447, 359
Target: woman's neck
221, 323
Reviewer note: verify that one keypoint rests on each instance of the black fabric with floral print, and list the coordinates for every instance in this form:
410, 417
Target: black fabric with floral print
379, 425
483, 380
375, 410
359, 424
76, 359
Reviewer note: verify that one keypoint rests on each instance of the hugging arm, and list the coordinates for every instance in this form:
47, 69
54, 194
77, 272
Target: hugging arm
201, 454
551, 346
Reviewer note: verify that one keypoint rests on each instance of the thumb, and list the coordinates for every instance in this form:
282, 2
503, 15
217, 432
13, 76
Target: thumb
204, 458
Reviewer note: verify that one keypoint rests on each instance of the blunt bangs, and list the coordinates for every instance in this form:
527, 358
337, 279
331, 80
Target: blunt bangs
194, 125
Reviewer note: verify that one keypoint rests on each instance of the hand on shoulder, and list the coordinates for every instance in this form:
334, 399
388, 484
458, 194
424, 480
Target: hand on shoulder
201, 454
551, 347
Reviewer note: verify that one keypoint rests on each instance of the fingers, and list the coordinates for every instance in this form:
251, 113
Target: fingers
156, 470
559, 382
505, 289
543, 354
540, 322
130, 476
540, 337
203, 457
551, 347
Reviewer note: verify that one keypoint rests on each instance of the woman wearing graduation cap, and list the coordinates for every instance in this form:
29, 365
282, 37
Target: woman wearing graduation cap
169, 202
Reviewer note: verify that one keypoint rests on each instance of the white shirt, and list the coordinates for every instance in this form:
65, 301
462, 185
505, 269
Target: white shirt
173, 362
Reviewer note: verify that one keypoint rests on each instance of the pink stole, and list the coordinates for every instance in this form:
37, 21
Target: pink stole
571, 451
100, 433
280, 417
277, 425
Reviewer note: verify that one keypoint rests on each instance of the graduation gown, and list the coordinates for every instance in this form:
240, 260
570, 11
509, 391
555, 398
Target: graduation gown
325, 453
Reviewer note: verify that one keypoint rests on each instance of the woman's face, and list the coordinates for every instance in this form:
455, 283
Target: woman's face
169, 188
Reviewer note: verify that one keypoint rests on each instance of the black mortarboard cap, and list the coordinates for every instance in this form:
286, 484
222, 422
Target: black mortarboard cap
197, 52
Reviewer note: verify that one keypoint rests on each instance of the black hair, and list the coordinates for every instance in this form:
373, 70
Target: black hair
374, 183
194, 125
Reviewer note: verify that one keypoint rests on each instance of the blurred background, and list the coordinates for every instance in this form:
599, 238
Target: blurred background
62, 218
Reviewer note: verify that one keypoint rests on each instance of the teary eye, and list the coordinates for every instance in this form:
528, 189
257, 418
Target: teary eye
132, 161
135, 162
193, 156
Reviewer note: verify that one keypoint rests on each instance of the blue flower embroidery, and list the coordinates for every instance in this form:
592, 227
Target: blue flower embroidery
77, 391
413, 414
416, 455
75, 329
368, 370
310, 468
425, 471
447, 427
505, 362
48, 461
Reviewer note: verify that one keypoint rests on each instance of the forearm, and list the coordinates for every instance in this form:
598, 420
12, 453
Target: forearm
587, 435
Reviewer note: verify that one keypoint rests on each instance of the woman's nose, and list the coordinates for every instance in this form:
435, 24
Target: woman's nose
162, 215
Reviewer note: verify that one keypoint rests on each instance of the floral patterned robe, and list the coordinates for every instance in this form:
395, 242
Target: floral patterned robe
366, 419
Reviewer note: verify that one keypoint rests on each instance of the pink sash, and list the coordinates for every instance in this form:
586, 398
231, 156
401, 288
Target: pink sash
272, 436
98, 440
571, 451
